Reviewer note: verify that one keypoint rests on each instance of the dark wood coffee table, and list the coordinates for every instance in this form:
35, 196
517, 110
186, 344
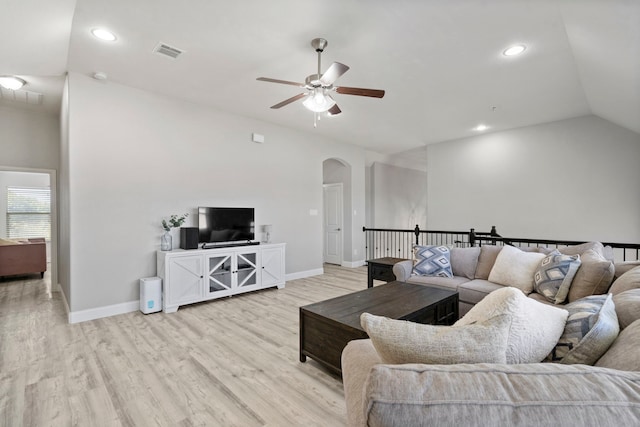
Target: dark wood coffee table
327, 326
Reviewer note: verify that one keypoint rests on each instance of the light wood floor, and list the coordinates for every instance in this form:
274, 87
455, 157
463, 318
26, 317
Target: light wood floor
229, 362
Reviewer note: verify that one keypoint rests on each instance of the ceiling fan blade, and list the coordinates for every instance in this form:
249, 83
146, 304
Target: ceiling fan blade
374, 93
333, 72
334, 110
289, 101
284, 82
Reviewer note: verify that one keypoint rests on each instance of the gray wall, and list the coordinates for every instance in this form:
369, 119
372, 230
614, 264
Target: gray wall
572, 179
134, 157
398, 197
28, 139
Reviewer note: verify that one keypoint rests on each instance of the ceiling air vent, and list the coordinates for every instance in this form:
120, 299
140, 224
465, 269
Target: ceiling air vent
166, 50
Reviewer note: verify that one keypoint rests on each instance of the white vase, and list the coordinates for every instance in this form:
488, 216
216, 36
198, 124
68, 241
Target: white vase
166, 241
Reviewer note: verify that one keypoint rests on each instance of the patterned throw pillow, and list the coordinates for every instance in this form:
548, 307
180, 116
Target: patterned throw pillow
590, 330
554, 275
432, 261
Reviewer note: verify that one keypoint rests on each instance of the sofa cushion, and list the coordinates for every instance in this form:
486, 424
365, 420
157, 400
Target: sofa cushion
592, 278
591, 328
623, 267
401, 341
627, 307
486, 259
500, 395
554, 275
464, 261
582, 248
514, 267
535, 327
432, 261
629, 280
439, 282
623, 353
475, 290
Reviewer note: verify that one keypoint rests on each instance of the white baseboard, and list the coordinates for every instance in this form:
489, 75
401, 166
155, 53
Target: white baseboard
353, 264
106, 311
303, 274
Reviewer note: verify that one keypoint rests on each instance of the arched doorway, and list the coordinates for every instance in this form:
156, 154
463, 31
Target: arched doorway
337, 224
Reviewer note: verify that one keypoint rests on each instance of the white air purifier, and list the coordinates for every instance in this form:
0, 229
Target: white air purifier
150, 295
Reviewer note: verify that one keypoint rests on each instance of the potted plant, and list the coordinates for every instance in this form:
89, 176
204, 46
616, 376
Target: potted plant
166, 241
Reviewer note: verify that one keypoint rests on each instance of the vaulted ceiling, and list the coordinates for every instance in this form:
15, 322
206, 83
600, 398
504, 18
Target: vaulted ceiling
440, 62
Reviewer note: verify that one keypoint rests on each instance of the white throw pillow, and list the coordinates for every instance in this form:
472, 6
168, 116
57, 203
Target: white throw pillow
535, 327
401, 341
514, 267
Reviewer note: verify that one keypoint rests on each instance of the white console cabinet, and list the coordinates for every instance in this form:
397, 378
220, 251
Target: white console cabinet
196, 275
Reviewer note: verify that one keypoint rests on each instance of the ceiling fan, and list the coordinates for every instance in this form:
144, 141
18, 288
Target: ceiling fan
319, 86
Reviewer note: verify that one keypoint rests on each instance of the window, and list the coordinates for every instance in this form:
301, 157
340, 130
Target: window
28, 212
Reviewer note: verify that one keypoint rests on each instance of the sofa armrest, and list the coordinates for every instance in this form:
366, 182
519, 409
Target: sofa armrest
499, 394
402, 270
358, 357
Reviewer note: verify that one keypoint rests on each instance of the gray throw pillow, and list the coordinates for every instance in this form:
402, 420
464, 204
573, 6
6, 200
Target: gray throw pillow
401, 341
592, 278
486, 259
591, 328
627, 307
623, 353
554, 275
464, 261
629, 280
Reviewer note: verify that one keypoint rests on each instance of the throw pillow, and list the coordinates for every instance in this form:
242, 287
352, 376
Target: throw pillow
554, 275
592, 278
400, 341
432, 261
464, 261
627, 306
591, 328
629, 280
514, 267
582, 248
486, 259
623, 353
535, 326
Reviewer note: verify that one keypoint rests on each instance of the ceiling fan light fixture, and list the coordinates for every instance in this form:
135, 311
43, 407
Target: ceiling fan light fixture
11, 82
319, 102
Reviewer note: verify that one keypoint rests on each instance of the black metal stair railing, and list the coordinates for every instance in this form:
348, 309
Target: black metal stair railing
398, 243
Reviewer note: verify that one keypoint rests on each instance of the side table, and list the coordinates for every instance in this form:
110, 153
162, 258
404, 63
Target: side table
381, 269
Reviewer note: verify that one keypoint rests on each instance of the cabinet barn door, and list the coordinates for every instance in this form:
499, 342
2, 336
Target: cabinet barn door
272, 267
185, 278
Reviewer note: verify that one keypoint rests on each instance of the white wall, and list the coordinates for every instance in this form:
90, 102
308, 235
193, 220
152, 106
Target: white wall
399, 197
571, 179
135, 157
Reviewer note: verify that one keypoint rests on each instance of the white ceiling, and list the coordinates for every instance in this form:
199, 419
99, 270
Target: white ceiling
440, 62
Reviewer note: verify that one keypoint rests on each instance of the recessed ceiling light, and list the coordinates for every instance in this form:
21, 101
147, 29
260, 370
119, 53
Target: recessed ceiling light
514, 50
103, 34
481, 128
10, 82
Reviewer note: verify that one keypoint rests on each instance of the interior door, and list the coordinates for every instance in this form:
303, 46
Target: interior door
332, 223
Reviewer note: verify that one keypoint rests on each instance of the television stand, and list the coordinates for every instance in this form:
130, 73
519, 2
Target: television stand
227, 245
206, 274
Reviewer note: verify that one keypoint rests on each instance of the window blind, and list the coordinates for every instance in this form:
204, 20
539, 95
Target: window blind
28, 212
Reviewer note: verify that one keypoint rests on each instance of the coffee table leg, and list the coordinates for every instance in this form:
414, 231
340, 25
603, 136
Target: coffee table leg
303, 358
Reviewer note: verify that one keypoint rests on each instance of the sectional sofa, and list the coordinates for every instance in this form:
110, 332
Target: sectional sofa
592, 391
472, 268
18, 257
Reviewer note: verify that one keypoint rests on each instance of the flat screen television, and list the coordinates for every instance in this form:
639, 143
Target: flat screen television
222, 225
